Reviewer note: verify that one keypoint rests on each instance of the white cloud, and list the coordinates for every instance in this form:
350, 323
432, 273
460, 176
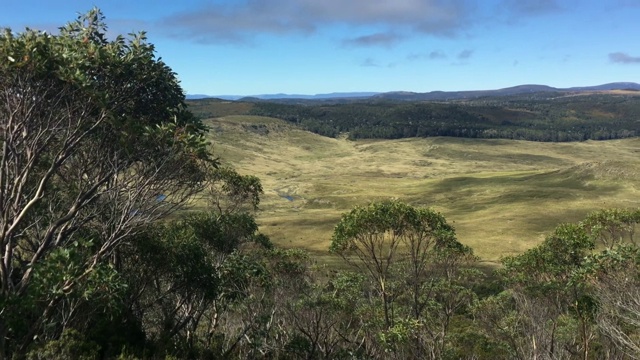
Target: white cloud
239, 22
377, 39
623, 58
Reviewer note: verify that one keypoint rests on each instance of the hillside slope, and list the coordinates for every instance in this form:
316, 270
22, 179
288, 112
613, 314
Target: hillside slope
503, 196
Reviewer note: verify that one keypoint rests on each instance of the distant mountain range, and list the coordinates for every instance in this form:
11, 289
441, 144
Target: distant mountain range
335, 95
433, 95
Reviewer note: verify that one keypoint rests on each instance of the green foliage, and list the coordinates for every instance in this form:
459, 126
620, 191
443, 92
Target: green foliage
66, 264
187, 276
392, 216
612, 227
561, 289
393, 338
71, 345
418, 273
614, 276
552, 305
229, 191
195, 259
121, 76
557, 119
97, 144
548, 267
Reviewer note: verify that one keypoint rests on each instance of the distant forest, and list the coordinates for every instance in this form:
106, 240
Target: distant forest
550, 117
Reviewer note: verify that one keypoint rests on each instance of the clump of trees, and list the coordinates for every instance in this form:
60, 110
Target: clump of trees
97, 144
98, 154
418, 277
575, 118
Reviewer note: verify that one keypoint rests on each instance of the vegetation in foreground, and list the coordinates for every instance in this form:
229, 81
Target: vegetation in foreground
93, 266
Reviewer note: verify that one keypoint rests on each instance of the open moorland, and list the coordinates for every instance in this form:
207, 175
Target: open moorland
503, 196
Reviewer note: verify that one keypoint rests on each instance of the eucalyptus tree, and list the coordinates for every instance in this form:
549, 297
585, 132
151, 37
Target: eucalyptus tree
184, 276
613, 276
96, 144
554, 308
612, 227
415, 263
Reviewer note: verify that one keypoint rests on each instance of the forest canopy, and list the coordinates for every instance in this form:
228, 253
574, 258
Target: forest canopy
549, 117
557, 119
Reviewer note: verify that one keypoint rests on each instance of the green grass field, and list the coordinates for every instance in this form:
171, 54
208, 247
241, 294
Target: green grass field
502, 196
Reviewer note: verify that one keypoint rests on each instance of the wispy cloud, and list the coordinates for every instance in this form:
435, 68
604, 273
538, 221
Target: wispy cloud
465, 54
126, 26
623, 58
378, 39
437, 55
240, 21
514, 12
627, 3
433, 55
531, 7
369, 62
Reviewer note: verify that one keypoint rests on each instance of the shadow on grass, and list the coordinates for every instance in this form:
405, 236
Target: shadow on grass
480, 193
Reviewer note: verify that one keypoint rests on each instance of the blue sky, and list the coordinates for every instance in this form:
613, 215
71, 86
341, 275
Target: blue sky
250, 47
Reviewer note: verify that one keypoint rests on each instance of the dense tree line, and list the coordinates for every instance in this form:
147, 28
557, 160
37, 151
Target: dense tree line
571, 118
98, 154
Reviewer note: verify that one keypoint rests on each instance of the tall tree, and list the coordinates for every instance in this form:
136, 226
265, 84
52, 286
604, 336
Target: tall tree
554, 308
96, 144
615, 279
414, 261
614, 276
184, 275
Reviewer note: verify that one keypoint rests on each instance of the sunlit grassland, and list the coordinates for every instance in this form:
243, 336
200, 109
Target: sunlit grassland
502, 196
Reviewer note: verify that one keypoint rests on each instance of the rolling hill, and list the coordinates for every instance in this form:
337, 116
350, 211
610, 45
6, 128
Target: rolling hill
433, 95
503, 196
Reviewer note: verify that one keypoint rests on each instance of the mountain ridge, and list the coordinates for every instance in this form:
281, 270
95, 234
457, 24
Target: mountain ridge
432, 95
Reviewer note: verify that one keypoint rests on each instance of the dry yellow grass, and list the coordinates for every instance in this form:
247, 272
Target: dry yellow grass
502, 196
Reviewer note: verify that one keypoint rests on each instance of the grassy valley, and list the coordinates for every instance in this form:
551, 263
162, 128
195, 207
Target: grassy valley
503, 196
